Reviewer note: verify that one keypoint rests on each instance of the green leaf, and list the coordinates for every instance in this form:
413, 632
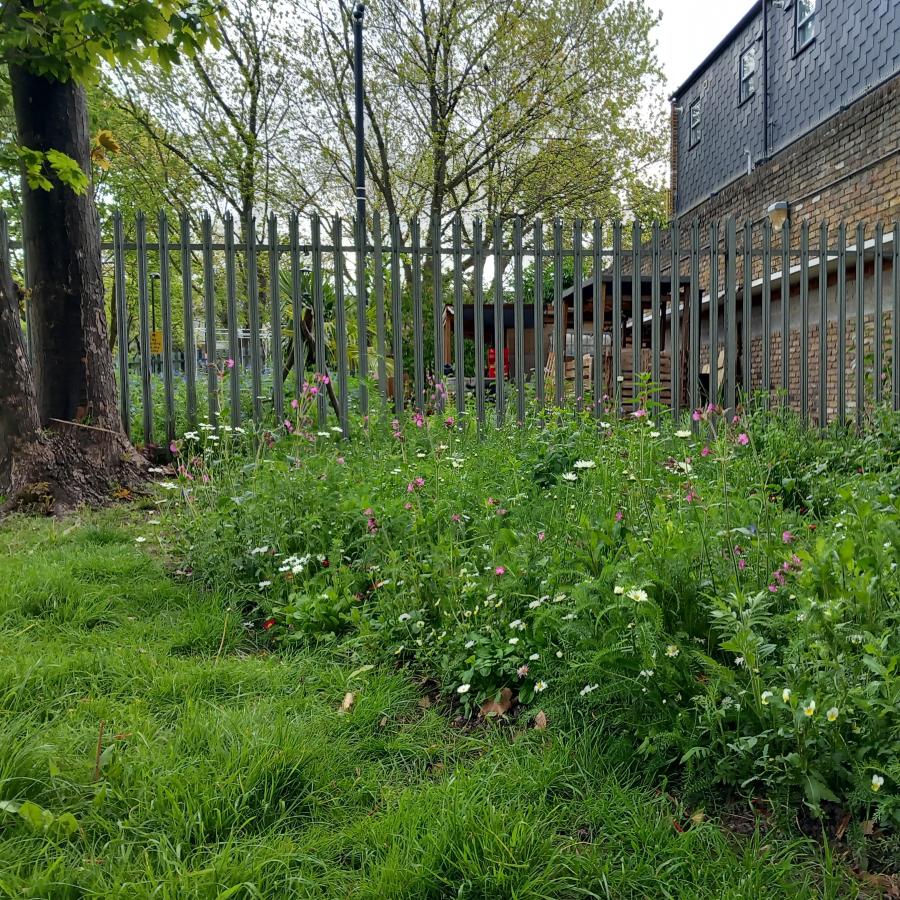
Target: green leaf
67, 170
38, 819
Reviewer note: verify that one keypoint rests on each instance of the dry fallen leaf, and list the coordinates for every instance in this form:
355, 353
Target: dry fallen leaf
698, 817
540, 721
498, 707
841, 830
424, 702
347, 702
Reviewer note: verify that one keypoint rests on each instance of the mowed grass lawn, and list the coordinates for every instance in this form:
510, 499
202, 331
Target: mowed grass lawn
228, 771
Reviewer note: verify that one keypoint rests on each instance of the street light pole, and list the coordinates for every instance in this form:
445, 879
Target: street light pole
359, 10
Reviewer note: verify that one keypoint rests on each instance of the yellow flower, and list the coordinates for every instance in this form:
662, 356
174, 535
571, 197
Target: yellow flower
877, 782
832, 714
810, 708
786, 695
764, 697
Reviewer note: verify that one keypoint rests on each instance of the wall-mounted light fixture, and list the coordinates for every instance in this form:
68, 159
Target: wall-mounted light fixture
779, 212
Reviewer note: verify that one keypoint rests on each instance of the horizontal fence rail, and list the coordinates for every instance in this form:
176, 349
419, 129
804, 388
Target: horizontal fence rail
308, 323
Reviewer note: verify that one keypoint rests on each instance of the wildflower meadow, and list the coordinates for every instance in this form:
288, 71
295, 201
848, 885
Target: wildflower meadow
550, 660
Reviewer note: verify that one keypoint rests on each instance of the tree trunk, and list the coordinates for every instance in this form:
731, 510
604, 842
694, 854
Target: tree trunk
61, 440
73, 369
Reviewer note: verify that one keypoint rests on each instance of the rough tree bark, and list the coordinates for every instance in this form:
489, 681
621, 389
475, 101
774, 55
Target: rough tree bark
61, 441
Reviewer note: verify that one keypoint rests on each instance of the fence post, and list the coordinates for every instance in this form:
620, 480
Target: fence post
253, 315
438, 307
380, 326
804, 322
714, 312
539, 312
823, 325
362, 322
860, 323
878, 337
747, 314
459, 353
478, 286
730, 314
786, 312
187, 299
418, 319
617, 319
165, 300
655, 301
895, 321
340, 316
297, 306
396, 315
599, 318
675, 318
319, 317
842, 323
519, 319
578, 310
275, 324
121, 321
209, 297
559, 327
499, 336
767, 313
234, 377
144, 325
637, 315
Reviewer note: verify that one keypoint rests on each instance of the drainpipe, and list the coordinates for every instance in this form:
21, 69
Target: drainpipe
765, 18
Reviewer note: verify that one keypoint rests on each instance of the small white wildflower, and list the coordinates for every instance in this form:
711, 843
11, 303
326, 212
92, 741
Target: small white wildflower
877, 782
832, 714
540, 686
535, 604
513, 641
618, 589
256, 551
739, 661
140, 540
810, 709
404, 617
534, 656
654, 434
585, 464
265, 584
570, 476
786, 695
683, 433
587, 689
464, 689
516, 623
764, 697
672, 651
559, 654
469, 645
646, 673
638, 595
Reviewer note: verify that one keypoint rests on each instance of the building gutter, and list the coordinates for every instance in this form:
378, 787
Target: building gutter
765, 19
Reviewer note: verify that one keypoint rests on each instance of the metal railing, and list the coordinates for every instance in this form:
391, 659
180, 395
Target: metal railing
514, 316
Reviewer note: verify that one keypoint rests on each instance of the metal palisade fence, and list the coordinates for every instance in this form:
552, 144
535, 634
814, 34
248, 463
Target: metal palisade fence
252, 321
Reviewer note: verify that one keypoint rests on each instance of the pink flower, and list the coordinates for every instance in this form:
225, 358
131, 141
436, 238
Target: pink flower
773, 588
313, 390
541, 536
696, 415
742, 564
449, 421
420, 482
341, 460
456, 517
705, 451
419, 420
691, 496
491, 501
619, 515
787, 537
288, 426
368, 512
326, 380
229, 363
640, 413
173, 448
743, 439
735, 420
501, 512
522, 671
407, 505
500, 570
294, 403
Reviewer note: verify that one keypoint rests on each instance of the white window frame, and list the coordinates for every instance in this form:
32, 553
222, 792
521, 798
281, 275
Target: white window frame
692, 140
747, 82
810, 20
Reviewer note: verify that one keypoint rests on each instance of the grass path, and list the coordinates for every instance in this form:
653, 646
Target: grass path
228, 772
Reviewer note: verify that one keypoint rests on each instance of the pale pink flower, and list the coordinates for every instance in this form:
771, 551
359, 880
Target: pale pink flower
743, 439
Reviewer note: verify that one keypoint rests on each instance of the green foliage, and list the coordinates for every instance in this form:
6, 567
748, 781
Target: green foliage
661, 580
71, 39
229, 771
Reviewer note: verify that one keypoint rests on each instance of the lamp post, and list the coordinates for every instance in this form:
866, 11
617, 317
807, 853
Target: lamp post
359, 10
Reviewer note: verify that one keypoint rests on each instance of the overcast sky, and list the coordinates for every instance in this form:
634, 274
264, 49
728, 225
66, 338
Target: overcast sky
690, 29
